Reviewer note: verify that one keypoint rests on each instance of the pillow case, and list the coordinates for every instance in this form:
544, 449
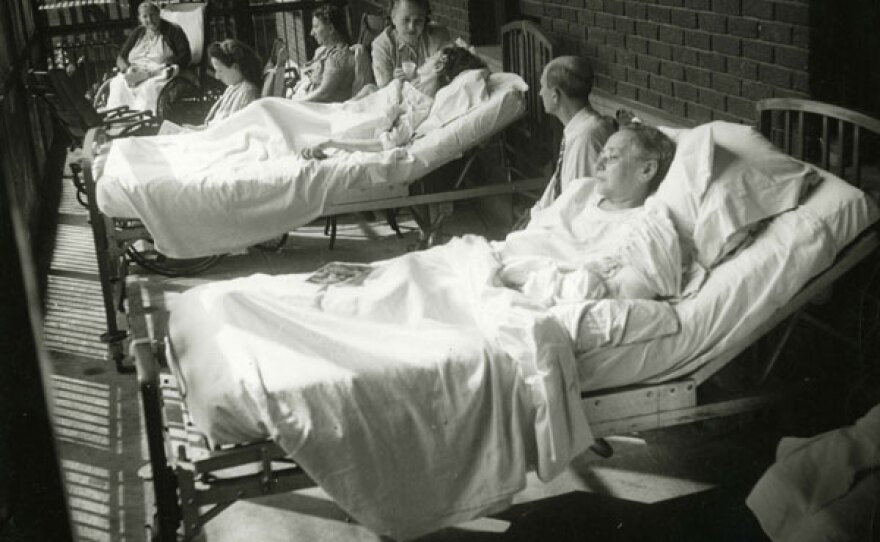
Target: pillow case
468, 90
725, 179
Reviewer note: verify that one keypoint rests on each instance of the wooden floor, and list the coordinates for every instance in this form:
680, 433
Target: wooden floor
674, 485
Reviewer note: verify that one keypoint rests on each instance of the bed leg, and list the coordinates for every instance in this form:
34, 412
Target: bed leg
168, 513
391, 217
332, 231
602, 448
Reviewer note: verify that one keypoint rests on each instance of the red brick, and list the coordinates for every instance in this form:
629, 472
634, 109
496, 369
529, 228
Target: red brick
743, 28
700, 40
597, 5
672, 70
673, 106
684, 18
597, 35
712, 99
646, 29
697, 76
625, 90
660, 50
740, 107
672, 3
775, 32
698, 113
603, 20
761, 9
742, 68
727, 7
635, 10
637, 77
725, 116
577, 30
726, 45
637, 44
587, 17
787, 93
661, 85
792, 13
726, 84
685, 55
624, 25
685, 91
775, 76
648, 63
607, 55
532, 9
670, 34
712, 61
659, 14
615, 39
568, 14
755, 90
560, 26
627, 58
699, 5
614, 7
791, 57
712, 22
649, 97
757, 51
606, 83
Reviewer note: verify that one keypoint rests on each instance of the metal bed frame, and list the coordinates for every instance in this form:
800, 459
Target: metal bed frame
192, 483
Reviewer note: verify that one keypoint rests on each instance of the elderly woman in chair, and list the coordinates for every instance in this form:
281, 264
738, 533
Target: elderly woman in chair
147, 59
414, 100
330, 75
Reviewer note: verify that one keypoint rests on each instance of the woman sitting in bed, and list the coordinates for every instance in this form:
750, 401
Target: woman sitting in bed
239, 67
413, 102
584, 246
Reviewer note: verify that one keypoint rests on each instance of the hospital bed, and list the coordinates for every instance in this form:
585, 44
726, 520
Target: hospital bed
370, 184
623, 388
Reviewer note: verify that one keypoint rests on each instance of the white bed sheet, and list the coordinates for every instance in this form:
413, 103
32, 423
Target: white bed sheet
742, 292
214, 212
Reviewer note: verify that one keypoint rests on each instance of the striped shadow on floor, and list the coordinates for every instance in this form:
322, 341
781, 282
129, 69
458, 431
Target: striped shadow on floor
75, 317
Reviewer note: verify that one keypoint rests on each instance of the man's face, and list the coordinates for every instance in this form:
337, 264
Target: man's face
548, 95
619, 168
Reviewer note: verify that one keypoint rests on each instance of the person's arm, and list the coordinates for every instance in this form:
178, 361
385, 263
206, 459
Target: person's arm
317, 152
338, 73
383, 61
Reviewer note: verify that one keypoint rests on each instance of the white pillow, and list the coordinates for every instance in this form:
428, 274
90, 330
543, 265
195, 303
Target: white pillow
468, 90
725, 179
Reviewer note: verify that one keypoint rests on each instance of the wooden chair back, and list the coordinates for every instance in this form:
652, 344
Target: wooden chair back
526, 50
839, 140
275, 71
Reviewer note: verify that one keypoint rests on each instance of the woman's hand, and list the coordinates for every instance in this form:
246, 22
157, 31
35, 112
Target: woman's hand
316, 152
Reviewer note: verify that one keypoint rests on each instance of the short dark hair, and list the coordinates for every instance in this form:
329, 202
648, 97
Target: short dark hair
152, 5
335, 17
652, 145
458, 59
573, 75
232, 51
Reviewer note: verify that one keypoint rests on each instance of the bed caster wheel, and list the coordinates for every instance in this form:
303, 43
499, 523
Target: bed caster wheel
602, 448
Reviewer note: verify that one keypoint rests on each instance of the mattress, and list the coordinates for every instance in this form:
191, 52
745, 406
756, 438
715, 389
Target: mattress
742, 292
193, 210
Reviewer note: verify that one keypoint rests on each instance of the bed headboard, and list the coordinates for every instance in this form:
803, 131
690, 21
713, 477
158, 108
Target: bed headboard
842, 141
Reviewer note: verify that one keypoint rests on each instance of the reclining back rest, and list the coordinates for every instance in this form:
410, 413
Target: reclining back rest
190, 16
275, 70
71, 108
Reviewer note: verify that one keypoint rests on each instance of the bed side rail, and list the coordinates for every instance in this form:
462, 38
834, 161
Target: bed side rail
839, 140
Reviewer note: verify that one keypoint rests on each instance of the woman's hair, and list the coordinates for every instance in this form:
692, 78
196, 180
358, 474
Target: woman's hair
424, 4
652, 145
231, 52
335, 17
573, 75
456, 60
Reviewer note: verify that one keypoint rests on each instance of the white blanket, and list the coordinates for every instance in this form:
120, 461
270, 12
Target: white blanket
417, 399
241, 181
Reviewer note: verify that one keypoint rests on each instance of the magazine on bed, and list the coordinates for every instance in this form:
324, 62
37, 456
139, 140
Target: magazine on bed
341, 272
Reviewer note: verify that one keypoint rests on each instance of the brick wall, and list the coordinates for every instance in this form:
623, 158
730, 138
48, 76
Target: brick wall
696, 60
454, 15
